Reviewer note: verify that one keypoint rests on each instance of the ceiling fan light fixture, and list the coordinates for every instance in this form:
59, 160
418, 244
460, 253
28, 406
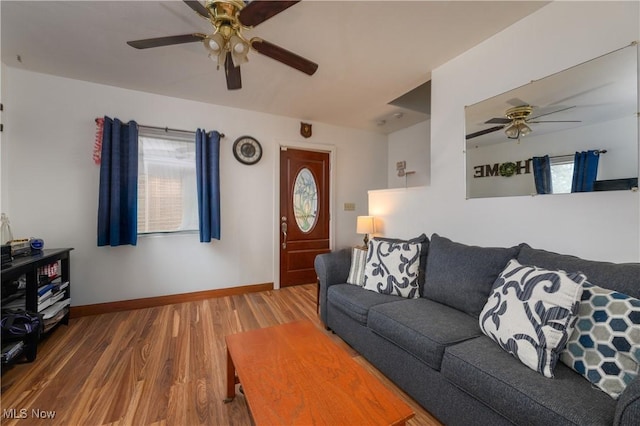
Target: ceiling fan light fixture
214, 44
524, 129
214, 47
517, 129
512, 131
226, 44
239, 50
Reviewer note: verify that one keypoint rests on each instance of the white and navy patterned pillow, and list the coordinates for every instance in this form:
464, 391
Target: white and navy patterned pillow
392, 268
531, 313
356, 272
605, 344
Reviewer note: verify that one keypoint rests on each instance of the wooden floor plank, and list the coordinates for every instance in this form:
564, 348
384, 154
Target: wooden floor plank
157, 366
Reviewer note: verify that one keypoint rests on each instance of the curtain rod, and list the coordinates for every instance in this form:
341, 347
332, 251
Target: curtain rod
167, 129
601, 151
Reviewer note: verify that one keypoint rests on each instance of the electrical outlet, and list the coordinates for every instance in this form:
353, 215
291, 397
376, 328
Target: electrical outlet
349, 207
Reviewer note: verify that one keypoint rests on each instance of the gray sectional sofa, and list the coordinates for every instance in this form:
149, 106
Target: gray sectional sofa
433, 348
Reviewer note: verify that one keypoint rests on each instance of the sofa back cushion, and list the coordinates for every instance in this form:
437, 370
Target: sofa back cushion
462, 276
621, 277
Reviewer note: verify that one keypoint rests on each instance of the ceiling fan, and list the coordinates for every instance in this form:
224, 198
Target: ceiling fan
227, 45
516, 123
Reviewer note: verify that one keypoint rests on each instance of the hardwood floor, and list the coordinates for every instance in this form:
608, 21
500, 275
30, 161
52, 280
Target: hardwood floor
157, 366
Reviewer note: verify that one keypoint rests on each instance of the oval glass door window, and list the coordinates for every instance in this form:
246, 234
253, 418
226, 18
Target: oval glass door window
305, 200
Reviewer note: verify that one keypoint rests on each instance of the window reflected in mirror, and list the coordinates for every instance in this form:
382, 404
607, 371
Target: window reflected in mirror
561, 174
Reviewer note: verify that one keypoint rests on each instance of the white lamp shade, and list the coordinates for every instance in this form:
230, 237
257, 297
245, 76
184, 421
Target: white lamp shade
365, 225
512, 131
239, 50
524, 129
215, 45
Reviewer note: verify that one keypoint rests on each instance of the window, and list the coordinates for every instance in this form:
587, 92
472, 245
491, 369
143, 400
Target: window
561, 174
167, 193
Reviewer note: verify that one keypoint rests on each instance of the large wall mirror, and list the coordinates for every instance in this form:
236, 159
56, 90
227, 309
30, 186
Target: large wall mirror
573, 131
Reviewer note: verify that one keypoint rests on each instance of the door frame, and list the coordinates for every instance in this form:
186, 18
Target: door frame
331, 149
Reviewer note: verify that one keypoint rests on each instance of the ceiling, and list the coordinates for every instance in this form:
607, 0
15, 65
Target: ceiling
369, 52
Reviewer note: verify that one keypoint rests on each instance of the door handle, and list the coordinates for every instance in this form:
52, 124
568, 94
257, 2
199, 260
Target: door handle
284, 234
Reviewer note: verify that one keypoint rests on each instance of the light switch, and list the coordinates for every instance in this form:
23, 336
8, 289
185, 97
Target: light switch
349, 207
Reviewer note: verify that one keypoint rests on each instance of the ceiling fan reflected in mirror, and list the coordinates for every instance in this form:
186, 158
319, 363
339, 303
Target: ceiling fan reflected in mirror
516, 123
227, 45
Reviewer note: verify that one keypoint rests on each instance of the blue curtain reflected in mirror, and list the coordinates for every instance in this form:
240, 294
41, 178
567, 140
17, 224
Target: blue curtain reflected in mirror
542, 174
585, 170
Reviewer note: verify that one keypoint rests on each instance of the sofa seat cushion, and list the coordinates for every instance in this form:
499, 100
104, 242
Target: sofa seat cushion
482, 369
422, 327
355, 301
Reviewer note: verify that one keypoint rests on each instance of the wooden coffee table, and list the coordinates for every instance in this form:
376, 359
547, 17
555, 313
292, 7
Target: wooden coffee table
293, 374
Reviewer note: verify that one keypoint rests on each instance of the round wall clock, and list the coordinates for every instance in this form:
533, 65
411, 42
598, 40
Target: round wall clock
247, 150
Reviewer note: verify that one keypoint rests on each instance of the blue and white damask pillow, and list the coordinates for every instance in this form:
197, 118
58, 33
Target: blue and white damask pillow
605, 344
531, 313
392, 268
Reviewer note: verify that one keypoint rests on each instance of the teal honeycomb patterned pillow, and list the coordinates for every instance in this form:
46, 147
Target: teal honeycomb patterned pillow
605, 344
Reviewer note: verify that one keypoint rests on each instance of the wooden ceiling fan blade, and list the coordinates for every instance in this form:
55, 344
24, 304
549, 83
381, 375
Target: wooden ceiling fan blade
498, 121
234, 80
259, 11
197, 7
284, 56
165, 41
483, 132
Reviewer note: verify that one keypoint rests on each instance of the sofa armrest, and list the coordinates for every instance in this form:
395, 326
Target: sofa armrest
628, 406
331, 268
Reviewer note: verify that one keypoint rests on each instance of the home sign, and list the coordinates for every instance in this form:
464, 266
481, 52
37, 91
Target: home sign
506, 169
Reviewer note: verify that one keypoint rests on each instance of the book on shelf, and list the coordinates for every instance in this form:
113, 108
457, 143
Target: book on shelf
55, 308
47, 303
51, 322
49, 290
51, 286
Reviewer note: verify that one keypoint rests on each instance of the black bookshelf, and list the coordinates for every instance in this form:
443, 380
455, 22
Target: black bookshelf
29, 266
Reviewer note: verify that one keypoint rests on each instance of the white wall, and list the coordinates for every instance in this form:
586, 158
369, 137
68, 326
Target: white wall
50, 186
410, 145
603, 226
